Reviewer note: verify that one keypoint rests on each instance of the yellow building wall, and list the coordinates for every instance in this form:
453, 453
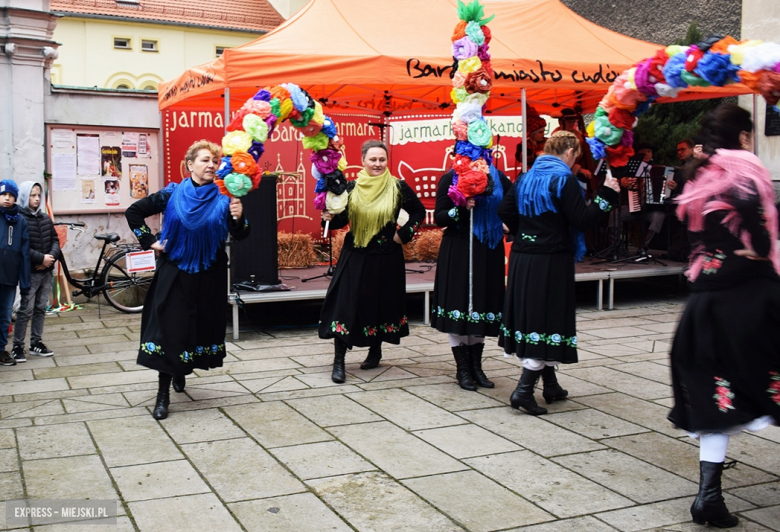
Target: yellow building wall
87, 57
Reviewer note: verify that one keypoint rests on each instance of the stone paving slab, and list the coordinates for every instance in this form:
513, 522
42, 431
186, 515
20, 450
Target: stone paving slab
269, 443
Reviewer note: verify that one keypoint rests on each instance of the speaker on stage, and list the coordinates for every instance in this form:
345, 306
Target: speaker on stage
258, 254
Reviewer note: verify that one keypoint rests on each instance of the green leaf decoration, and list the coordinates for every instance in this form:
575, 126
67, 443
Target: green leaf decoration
473, 12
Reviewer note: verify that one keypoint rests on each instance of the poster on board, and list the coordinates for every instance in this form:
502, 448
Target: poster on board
111, 158
139, 181
111, 189
88, 191
88, 154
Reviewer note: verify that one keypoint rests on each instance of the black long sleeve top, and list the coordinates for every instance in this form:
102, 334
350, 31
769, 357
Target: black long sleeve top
156, 203
550, 232
382, 242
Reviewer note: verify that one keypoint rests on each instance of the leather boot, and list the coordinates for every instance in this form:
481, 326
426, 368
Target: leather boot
480, 379
163, 396
178, 383
374, 356
523, 396
339, 374
709, 506
461, 354
551, 390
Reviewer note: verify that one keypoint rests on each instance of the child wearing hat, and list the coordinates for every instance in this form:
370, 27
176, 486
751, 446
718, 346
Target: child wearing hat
14, 264
44, 252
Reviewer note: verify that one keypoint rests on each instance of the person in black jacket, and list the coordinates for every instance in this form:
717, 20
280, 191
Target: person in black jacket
546, 212
44, 252
14, 266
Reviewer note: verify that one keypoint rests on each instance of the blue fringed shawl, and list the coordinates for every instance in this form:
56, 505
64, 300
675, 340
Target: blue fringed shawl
535, 194
195, 225
488, 227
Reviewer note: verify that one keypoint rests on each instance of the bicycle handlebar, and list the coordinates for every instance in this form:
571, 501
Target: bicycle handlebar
72, 224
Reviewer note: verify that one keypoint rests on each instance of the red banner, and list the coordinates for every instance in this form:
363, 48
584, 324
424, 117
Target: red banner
283, 153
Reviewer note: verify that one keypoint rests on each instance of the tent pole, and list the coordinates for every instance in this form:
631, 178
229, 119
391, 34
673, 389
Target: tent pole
755, 123
525, 133
227, 108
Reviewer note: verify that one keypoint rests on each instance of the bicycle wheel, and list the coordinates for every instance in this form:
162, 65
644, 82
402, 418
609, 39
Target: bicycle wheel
124, 291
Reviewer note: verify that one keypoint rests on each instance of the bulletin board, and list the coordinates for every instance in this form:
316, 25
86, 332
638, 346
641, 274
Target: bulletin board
101, 170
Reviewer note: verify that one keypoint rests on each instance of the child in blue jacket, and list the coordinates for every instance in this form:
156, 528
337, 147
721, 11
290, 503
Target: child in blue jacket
14, 263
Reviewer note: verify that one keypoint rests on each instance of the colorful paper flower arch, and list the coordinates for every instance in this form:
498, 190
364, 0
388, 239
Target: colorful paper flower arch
243, 145
471, 89
716, 61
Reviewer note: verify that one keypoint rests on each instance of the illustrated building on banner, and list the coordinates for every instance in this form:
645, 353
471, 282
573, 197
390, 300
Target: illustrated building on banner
291, 191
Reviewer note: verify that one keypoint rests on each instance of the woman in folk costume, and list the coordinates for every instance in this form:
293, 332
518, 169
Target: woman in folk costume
726, 351
450, 303
366, 301
184, 318
546, 212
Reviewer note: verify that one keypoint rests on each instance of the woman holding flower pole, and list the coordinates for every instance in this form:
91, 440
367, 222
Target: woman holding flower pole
366, 301
546, 212
184, 317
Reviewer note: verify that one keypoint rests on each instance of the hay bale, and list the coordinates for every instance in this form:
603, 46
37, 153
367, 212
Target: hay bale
337, 243
427, 245
409, 254
295, 250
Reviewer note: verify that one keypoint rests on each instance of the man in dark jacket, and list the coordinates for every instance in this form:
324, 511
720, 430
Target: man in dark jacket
14, 266
44, 252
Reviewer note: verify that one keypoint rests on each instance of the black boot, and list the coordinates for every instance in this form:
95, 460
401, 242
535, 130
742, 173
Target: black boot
523, 396
709, 506
551, 390
475, 352
178, 383
163, 396
374, 356
461, 354
339, 374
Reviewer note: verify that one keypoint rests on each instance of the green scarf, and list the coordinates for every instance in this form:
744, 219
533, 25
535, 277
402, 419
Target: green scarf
372, 205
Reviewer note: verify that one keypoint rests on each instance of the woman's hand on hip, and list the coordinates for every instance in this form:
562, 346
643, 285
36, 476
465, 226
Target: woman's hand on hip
157, 246
397, 239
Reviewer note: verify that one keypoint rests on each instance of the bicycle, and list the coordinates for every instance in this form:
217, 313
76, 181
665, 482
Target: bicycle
125, 291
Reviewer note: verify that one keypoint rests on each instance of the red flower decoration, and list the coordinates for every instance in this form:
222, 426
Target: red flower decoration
461, 164
472, 183
621, 118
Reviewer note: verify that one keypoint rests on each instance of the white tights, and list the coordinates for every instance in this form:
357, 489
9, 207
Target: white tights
457, 339
713, 447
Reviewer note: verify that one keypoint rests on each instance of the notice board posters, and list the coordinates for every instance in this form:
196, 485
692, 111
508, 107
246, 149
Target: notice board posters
100, 170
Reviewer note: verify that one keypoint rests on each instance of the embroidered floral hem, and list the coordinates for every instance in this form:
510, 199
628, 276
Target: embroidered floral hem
474, 317
534, 338
150, 348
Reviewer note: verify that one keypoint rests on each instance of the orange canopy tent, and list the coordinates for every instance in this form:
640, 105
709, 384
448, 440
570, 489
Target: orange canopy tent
389, 56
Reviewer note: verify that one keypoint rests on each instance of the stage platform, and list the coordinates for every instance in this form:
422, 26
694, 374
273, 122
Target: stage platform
420, 277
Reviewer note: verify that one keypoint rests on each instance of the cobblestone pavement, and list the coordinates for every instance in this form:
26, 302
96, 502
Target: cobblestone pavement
269, 443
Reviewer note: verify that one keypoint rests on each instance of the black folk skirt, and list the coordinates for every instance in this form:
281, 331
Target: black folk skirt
539, 310
366, 300
726, 358
184, 319
450, 301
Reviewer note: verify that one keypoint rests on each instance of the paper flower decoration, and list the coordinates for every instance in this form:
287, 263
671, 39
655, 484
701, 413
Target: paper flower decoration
238, 184
479, 133
714, 61
470, 112
320, 201
243, 163
460, 130
336, 203
256, 150
478, 81
472, 183
326, 161
464, 48
470, 65
317, 142
461, 164
225, 167
236, 141
474, 32
256, 127
262, 94
459, 79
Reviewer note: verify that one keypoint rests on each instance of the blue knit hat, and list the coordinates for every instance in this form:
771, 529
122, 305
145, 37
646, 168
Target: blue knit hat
8, 186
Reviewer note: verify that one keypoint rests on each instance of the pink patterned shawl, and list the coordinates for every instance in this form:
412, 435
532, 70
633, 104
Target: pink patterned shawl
729, 173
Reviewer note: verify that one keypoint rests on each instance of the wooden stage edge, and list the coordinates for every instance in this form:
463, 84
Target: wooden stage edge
420, 277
